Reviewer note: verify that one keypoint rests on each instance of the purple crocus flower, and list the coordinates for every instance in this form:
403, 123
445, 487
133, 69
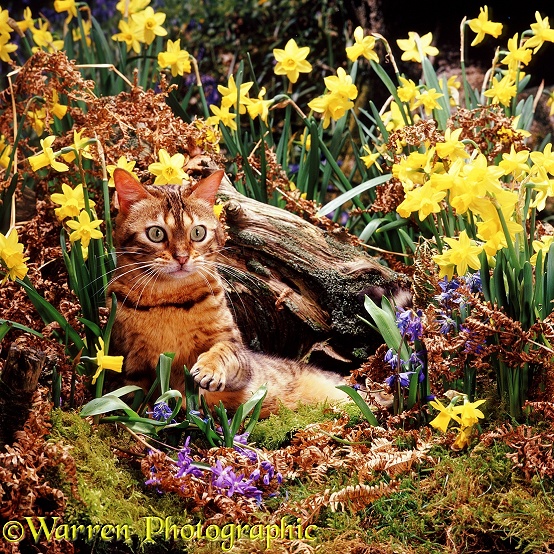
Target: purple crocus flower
225, 479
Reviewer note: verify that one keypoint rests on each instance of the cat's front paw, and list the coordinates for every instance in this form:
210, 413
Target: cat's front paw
208, 373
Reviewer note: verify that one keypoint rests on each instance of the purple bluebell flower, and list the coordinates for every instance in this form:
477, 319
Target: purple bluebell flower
161, 412
446, 323
473, 282
392, 358
184, 462
409, 323
449, 291
403, 378
471, 345
417, 359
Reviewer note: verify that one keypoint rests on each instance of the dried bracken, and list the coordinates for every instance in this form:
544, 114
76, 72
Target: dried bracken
25, 490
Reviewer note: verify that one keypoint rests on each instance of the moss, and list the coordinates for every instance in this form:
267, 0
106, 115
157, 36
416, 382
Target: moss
278, 428
250, 239
256, 267
110, 491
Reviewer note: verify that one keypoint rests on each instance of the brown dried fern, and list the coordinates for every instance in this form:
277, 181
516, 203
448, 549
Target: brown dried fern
358, 497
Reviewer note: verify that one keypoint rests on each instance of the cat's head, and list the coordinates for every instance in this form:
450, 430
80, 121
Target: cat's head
169, 230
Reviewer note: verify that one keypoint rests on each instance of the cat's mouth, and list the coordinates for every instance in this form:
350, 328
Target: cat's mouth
180, 271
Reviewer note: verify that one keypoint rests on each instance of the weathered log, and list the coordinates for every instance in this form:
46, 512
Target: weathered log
18, 381
293, 285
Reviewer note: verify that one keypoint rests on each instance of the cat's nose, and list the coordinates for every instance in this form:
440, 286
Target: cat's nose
182, 259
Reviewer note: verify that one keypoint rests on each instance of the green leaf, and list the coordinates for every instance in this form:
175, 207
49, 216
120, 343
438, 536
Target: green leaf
386, 324
7, 325
549, 286
356, 191
432, 82
122, 391
49, 314
370, 228
105, 404
163, 370
360, 402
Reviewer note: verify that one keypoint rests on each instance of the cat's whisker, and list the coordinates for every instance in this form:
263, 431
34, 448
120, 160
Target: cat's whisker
140, 267
141, 285
155, 273
231, 286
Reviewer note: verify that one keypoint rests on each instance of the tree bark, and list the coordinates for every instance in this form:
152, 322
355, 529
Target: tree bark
18, 382
297, 289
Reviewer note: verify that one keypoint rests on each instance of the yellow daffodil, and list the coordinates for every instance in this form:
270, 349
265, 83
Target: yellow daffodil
27, 23
469, 414
169, 170
516, 54
76, 33
105, 361
123, 163
428, 99
66, 6
129, 7
425, 200
453, 90
332, 106
482, 26
43, 38
71, 201
550, 103
541, 33
150, 24
230, 95
222, 115
84, 229
174, 58
131, 34
363, 46
393, 119
341, 84
55, 108
80, 146
369, 159
515, 162
5, 27
463, 254
38, 120
414, 168
11, 254
259, 106
501, 91
5, 48
415, 45
291, 61
452, 147
543, 246
446, 413
544, 159
5, 152
46, 157
408, 90
463, 439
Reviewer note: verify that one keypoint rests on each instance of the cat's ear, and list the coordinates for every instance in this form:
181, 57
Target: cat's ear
207, 188
129, 190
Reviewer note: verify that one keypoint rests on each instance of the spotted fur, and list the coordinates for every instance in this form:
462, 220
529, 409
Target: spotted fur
171, 299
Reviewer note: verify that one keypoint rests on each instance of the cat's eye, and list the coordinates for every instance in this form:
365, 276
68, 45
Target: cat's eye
155, 234
198, 233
